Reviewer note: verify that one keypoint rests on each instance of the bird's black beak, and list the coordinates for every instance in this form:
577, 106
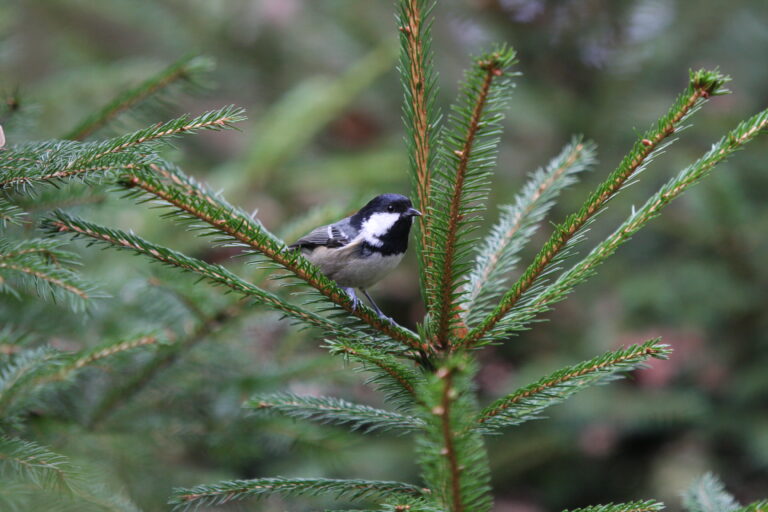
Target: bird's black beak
413, 212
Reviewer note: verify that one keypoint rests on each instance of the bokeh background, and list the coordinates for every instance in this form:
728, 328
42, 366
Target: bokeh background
324, 134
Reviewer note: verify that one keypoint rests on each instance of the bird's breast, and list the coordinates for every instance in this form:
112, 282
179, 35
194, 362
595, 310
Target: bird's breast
351, 266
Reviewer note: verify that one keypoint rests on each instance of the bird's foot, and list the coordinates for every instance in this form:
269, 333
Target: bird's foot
352, 297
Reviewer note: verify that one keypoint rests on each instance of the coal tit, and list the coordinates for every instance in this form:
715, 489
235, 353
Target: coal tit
359, 250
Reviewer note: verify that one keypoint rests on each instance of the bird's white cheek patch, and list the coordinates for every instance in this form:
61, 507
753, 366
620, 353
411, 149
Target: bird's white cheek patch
379, 223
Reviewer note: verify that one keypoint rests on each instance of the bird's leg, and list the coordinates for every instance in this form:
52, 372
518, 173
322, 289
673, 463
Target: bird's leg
375, 307
352, 297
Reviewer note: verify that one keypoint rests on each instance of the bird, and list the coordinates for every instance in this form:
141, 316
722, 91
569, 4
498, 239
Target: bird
359, 250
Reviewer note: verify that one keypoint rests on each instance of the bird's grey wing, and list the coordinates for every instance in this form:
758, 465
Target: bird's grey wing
332, 235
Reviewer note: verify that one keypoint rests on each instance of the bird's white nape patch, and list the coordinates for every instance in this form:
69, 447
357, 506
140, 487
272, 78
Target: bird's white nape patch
377, 225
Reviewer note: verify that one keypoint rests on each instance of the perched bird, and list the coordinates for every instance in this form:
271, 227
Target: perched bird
359, 250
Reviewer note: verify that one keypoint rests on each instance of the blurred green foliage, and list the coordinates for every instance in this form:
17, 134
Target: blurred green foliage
318, 81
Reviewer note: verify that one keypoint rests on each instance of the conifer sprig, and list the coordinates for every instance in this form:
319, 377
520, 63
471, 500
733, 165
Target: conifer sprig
225, 492
51, 161
165, 358
498, 252
38, 265
758, 506
468, 151
635, 506
708, 494
196, 203
453, 459
334, 411
92, 356
702, 85
61, 222
185, 71
720, 151
55, 161
10, 213
527, 403
421, 114
396, 380
37, 464
25, 368
219, 119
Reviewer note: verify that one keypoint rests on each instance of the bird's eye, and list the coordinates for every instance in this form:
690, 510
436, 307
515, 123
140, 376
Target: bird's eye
390, 208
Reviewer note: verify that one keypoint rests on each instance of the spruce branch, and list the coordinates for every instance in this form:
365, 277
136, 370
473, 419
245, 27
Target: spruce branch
45, 250
61, 222
691, 175
758, 506
635, 506
37, 464
396, 380
420, 114
68, 487
20, 375
528, 402
334, 411
225, 492
498, 252
10, 213
164, 359
184, 71
215, 120
402, 505
708, 494
37, 265
192, 200
702, 85
467, 155
89, 357
53, 161
452, 455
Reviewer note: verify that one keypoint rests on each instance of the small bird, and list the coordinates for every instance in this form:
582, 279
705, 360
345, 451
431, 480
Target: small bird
360, 250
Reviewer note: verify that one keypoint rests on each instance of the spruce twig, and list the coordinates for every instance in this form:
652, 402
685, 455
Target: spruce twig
528, 402
52, 161
226, 492
38, 464
453, 459
38, 265
708, 494
389, 375
720, 151
183, 70
635, 506
498, 253
334, 411
63, 223
468, 153
702, 85
420, 114
758, 506
139, 380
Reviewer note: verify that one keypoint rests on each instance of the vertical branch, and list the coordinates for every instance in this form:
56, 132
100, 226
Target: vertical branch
449, 449
420, 114
452, 454
467, 154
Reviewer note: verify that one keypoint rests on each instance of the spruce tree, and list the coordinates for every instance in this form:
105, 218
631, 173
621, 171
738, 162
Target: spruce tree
427, 375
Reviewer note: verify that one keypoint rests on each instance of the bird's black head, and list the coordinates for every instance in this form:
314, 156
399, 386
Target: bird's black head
387, 203
385, 222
